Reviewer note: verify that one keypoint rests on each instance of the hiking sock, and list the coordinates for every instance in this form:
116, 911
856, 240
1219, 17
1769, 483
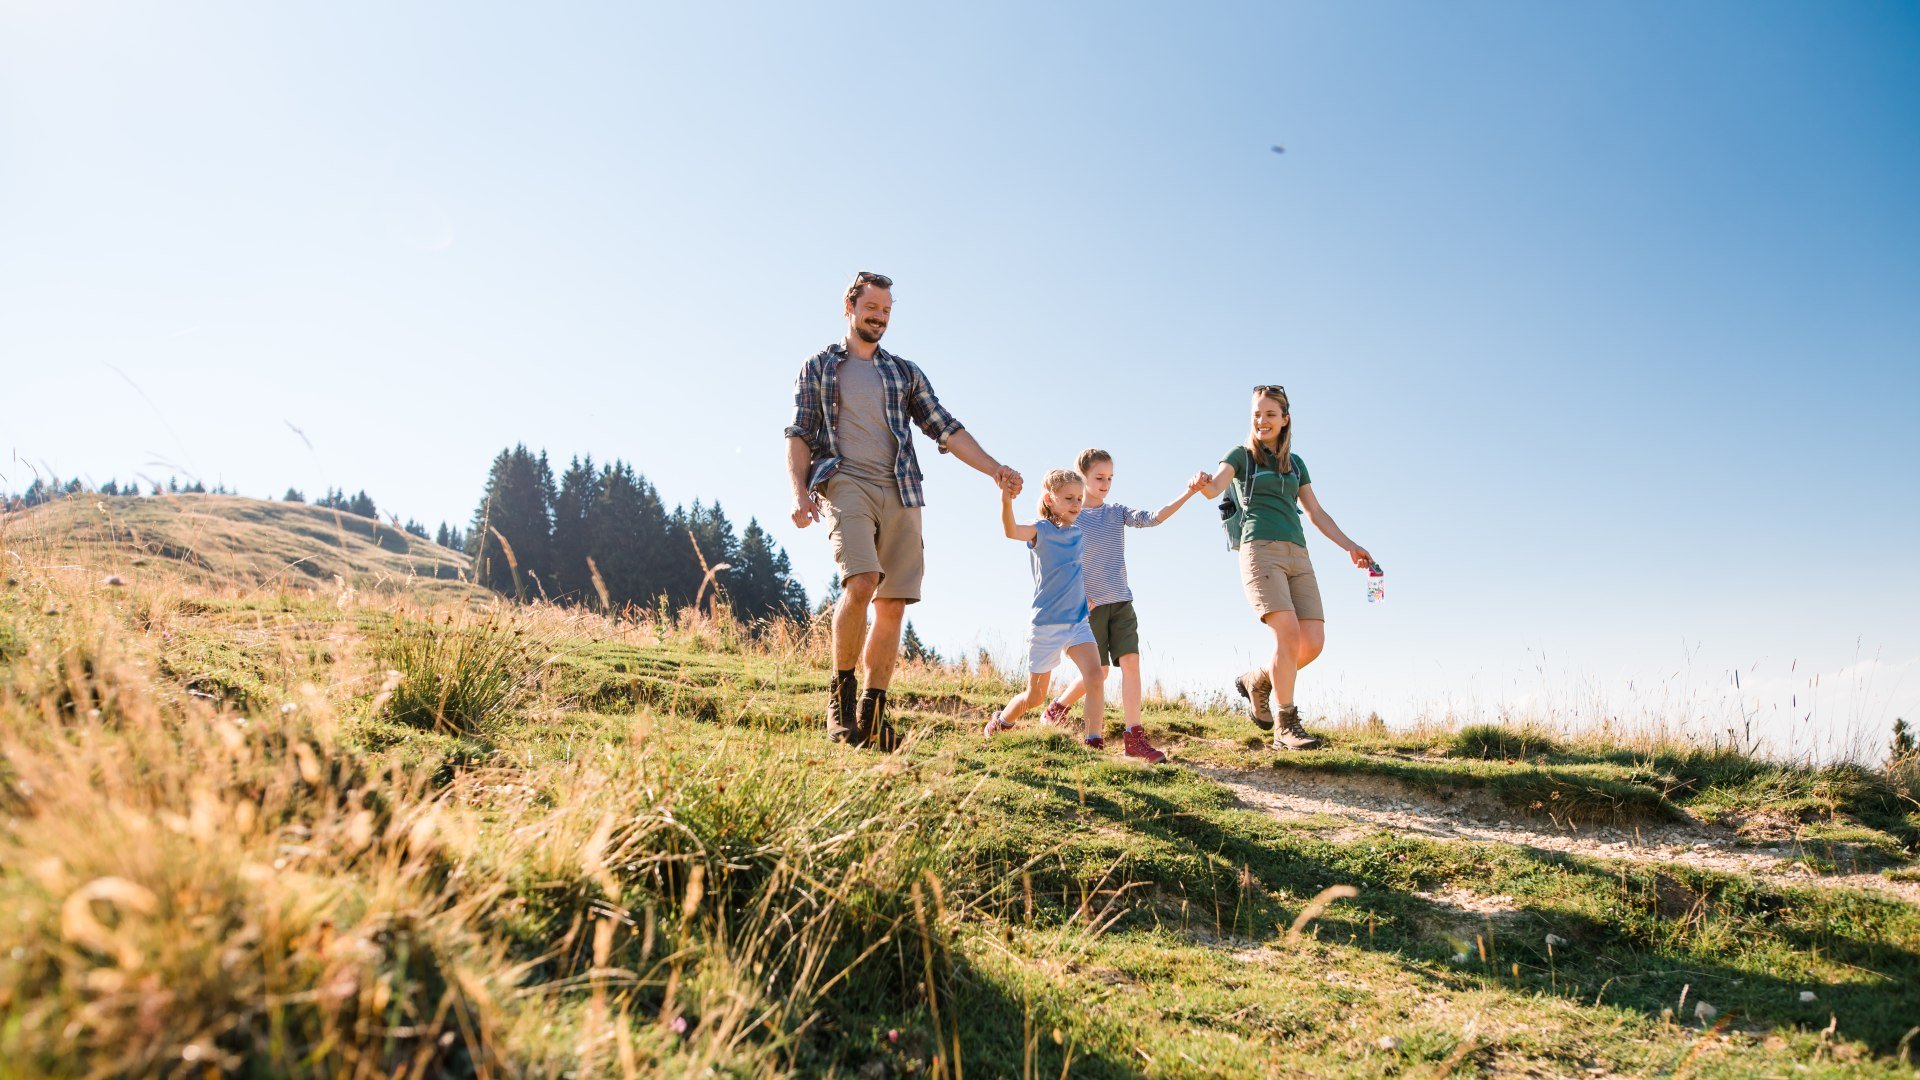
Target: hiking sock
873, 720
841, 724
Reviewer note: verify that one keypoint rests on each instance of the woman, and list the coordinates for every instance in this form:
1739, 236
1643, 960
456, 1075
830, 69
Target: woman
1273, 487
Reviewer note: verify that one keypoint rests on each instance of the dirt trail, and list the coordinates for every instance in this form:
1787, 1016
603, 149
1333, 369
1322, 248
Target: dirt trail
1378, 803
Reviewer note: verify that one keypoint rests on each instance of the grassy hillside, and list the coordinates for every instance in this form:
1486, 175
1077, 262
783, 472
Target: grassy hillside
279, 827
230, 540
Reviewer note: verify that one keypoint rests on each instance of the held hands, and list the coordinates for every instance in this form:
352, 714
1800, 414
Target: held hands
806, 509
1198, 485
1009, 480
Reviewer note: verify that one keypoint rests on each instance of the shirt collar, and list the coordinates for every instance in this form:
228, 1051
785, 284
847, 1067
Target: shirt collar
839, 351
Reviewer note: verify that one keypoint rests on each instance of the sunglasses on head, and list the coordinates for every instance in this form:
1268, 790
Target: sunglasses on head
1271, 388
868, 277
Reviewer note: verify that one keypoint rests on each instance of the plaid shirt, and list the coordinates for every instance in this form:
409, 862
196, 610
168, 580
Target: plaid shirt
816, 404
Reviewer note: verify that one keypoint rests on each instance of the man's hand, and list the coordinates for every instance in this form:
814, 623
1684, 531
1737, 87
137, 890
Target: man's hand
806, 510
1009, 479
1360, 557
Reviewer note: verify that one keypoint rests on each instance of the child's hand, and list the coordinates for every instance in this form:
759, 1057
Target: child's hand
1199, 482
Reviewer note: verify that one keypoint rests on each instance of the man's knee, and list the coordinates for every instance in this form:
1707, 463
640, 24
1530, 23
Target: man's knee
860, 587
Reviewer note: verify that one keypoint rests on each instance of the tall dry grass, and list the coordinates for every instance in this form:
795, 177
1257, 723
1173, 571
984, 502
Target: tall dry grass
196, 883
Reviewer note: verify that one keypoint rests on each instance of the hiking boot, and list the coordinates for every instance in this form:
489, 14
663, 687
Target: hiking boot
1056, 713
1256, 686
842, 723
1137, 746
873, 721
1289, 735
1094, 742
996, 725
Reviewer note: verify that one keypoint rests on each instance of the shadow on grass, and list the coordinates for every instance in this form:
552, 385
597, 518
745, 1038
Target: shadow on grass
1632, 937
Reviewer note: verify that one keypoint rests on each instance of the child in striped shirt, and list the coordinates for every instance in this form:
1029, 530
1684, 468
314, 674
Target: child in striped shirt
1103, 561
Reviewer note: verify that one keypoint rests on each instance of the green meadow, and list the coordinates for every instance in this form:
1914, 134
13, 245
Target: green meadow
281, 796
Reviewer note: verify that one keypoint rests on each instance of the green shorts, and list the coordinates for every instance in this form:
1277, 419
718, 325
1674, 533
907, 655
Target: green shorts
1116, 631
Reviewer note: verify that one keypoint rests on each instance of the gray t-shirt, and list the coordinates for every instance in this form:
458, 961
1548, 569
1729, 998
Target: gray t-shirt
867, 445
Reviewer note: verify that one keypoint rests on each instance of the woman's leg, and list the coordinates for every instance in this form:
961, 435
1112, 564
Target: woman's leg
1086, 657
1285, 665
1130, 688
1313, 639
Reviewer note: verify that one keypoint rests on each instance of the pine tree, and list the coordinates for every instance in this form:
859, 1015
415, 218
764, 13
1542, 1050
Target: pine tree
573, 531
414, 528
912, 648
362, 505
293, 496
629, 537
517, 504
831, 596
709, 528
754, 586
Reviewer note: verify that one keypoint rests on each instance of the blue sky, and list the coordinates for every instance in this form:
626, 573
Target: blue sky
1599, 320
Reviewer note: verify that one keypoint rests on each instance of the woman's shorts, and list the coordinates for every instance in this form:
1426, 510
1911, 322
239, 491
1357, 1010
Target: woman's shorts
1278, 577
1116, 630
1046, 643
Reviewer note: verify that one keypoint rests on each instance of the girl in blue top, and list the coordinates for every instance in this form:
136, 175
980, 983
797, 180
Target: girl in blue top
1059, 603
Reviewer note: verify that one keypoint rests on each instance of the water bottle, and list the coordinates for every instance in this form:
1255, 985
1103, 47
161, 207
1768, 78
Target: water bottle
1376, 583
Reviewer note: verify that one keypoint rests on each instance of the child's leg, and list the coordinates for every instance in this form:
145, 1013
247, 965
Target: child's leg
1077, 689
1130, 688
1086, 657
1032, 696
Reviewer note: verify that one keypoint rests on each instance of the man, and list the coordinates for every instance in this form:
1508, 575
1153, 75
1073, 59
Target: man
850, 456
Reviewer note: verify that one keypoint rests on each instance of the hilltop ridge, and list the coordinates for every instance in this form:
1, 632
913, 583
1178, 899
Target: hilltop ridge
214, 540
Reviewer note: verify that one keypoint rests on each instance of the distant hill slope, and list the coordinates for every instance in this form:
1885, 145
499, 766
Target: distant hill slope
211, 539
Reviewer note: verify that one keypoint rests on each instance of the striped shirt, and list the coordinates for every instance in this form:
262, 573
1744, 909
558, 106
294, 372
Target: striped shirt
1103, 559
909, 398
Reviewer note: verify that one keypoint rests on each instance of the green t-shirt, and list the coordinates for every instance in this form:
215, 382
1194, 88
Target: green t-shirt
1273, 510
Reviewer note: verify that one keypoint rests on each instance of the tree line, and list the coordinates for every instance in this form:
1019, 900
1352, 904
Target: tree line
602, 534
606, 520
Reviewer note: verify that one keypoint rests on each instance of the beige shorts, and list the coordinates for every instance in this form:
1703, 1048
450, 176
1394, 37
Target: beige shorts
873, 533
1278, 577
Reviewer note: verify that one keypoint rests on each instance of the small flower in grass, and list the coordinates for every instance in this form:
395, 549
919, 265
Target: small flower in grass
1387, 1042
1554, 941
113, 579
1705, 1013
893, 1035
1806, 996
679, 1025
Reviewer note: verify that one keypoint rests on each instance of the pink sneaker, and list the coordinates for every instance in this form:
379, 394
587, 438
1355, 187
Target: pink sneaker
1094, 742
1056, 713
1137, 746
997, 725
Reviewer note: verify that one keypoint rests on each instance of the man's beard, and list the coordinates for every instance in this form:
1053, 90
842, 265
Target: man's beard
869, 335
